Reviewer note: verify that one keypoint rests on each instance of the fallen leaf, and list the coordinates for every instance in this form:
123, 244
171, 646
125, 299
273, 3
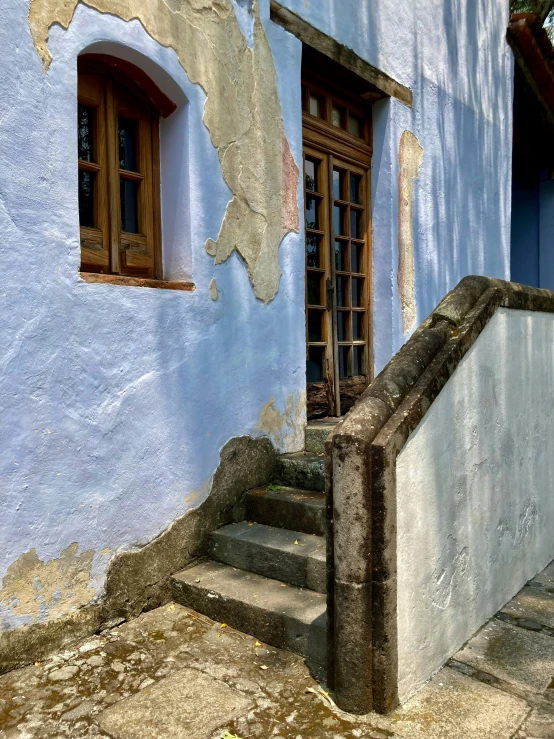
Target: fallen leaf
197, 579
264, 667
258, 644
296, 542
228, 735
172, 607
223, 626
251, 523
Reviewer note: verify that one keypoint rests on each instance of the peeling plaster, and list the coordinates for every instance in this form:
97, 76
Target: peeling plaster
33, 590
279, 425
410, 157
214, 292
242, 113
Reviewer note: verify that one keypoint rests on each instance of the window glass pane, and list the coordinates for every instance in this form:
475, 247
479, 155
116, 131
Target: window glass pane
356, 224
343, 328
342, 292
357, 256
315, 364
355, 188
358, 327
314, 288
338, 184
339, 218
312, 212
315, 327
86, 199
343, 362
354, 125
128, 144
85, 132
357, 292
311, 175
341, 256
314, 252
129, 206
358, 361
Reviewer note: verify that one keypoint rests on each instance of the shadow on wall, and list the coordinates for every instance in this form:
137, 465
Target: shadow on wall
463, 195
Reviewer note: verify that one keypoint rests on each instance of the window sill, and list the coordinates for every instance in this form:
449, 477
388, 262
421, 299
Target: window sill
121, 280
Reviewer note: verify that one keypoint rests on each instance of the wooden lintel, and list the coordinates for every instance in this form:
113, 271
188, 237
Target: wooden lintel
123, 280
339, 53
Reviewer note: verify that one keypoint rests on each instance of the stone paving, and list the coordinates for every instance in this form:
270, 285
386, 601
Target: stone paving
173, 673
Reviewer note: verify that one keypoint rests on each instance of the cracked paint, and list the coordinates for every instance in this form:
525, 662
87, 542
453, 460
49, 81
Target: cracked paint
410, 158
242, 113
33, 590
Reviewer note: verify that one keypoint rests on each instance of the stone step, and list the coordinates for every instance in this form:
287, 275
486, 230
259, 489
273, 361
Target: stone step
280, 615
317, 432
288, 556
287, 508
300, 470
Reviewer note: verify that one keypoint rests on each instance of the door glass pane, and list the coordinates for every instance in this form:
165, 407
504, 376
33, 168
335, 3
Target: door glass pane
316, 106
129, 206
315, 325
315, 364
339, 218
312, 175
343, 362
85, 132
338, 184
343, 329
314, 280
128, 144
338, 117
357, 292
341, 256
355, 189
358, 361
357, 256
86, 199
312, 212
356, 224
358, 321
354, 125
342, 292
314, 251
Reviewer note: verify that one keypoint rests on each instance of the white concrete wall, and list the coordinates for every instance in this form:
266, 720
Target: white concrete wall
475, 493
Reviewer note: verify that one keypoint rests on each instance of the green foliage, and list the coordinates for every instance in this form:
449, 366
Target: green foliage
543, 8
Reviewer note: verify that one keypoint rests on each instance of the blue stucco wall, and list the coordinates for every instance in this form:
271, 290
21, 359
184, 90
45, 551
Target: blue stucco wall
116, 401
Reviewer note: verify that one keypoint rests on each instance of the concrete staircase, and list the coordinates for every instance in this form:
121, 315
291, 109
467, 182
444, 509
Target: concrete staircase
266, 575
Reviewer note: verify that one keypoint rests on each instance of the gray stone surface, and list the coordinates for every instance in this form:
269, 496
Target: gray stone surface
452, 706
317, 433
300, 470
192, 704
172, 672
532, 604
545, 578
287, 508
289, 556
513, 654
278, 614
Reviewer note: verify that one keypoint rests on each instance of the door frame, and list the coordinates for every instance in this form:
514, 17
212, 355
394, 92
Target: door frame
327, 142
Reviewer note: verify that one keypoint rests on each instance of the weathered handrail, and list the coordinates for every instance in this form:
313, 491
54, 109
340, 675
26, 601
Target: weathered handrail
361, 487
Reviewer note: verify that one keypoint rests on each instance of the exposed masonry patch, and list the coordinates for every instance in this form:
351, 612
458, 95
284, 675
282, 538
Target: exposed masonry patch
242, 113
277, 424
214, 292
410, 157
33, 590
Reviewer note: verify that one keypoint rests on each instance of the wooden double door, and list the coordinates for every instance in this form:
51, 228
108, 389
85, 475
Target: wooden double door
337, 160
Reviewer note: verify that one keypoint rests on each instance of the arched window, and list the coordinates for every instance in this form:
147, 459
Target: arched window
119, 167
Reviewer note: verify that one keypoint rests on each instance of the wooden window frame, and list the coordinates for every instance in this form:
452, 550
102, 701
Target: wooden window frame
126, 91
